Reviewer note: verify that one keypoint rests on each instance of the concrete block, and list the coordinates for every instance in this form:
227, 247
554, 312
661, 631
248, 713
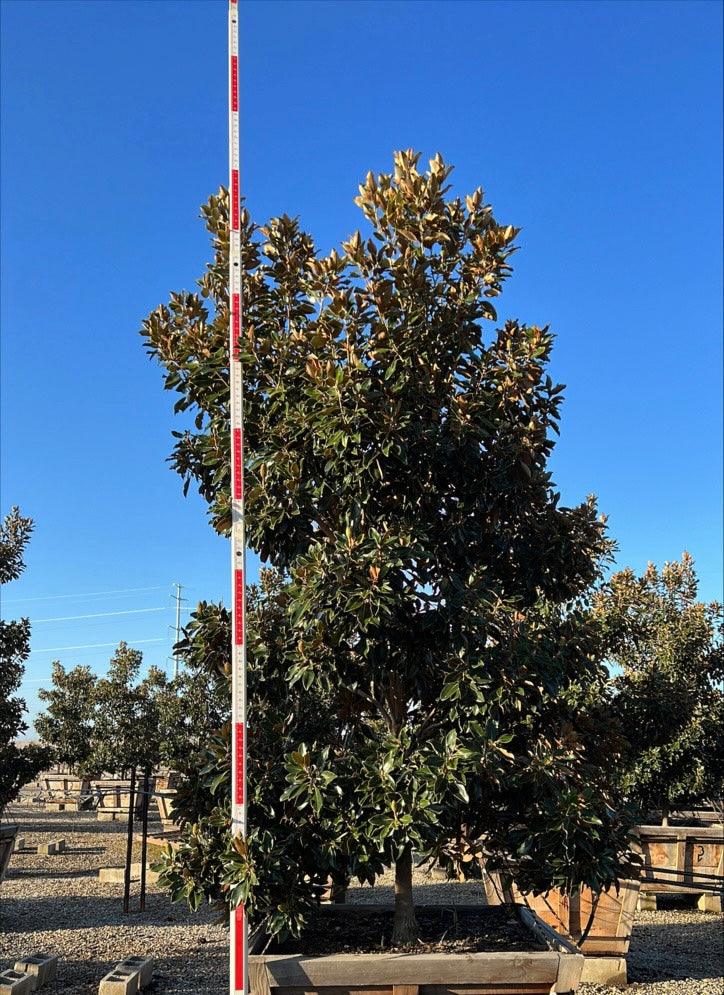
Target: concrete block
115, 875
59, 845
605, 971
16, 983
144, 966
19, 843
47, 849
119, 982
647, 902
709, 903
40, 967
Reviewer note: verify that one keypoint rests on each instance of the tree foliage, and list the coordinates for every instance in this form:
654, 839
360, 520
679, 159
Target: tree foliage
68, 723
668, 692
18, 766
121, 721
397, 475
294, 856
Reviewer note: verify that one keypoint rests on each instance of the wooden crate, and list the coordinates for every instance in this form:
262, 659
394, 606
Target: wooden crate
64, 792
689, 850
613, 914
114, 795
538, 972
7, 842
164, 801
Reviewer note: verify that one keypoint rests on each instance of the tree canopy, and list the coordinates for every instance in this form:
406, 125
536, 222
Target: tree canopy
667, 647
119, 721
18, 766
397, 475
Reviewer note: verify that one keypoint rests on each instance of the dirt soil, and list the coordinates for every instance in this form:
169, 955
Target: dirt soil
442, 930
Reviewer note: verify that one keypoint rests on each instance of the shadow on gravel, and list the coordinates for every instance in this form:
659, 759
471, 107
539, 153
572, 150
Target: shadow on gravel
664, 952
29, 826
16, 874
78, 912
202, 972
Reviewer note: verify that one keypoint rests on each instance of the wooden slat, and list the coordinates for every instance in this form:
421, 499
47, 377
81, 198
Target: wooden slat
410, 969
520, 989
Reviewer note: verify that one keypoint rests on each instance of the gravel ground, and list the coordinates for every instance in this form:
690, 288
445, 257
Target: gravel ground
57, 905
674, 950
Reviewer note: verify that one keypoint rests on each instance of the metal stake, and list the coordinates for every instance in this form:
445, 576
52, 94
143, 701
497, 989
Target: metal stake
129, 843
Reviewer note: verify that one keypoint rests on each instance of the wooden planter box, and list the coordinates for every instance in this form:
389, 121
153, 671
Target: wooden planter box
66, 793
165, 800
170, 781
609, 937
113, 797
7, 842
688, 817
688, 850
538, 972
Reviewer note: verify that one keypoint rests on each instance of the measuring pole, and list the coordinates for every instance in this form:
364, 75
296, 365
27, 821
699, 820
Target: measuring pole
238, 964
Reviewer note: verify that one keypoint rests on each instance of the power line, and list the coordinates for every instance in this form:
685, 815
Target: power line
88, 646
90, 594
129, 611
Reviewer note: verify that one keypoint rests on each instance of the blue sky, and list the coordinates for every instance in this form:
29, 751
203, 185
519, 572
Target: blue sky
594, 126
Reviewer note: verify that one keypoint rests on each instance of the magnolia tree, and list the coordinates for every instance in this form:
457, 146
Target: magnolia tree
68, 723
18, 766
668, 691
397, 478
119, 721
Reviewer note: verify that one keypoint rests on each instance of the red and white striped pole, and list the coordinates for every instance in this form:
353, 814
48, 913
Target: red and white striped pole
238, 963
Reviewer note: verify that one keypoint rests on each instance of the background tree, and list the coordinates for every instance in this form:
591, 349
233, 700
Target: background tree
197, 703
127, 731
398, 477
18, 766
117, 722
668, 692
68, 723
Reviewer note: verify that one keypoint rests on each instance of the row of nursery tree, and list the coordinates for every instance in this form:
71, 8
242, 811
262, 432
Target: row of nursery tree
439, 661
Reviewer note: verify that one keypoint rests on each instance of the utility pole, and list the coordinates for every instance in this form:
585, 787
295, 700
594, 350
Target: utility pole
179, 599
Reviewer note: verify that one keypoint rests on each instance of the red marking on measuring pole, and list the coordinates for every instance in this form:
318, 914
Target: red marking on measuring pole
239, 941
235, 323
234, 83
238, 470
235, 199
239, 607
240, 747
239, 926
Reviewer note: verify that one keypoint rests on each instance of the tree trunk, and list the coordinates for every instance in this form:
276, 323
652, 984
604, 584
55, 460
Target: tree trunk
405, 930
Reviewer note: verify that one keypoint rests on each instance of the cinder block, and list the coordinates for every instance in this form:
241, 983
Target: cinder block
47, 849
118, 982
144, 966
16, 983
19, 843
40, 967
59, 845
709, 903
647, 902
605, 971
115, 875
